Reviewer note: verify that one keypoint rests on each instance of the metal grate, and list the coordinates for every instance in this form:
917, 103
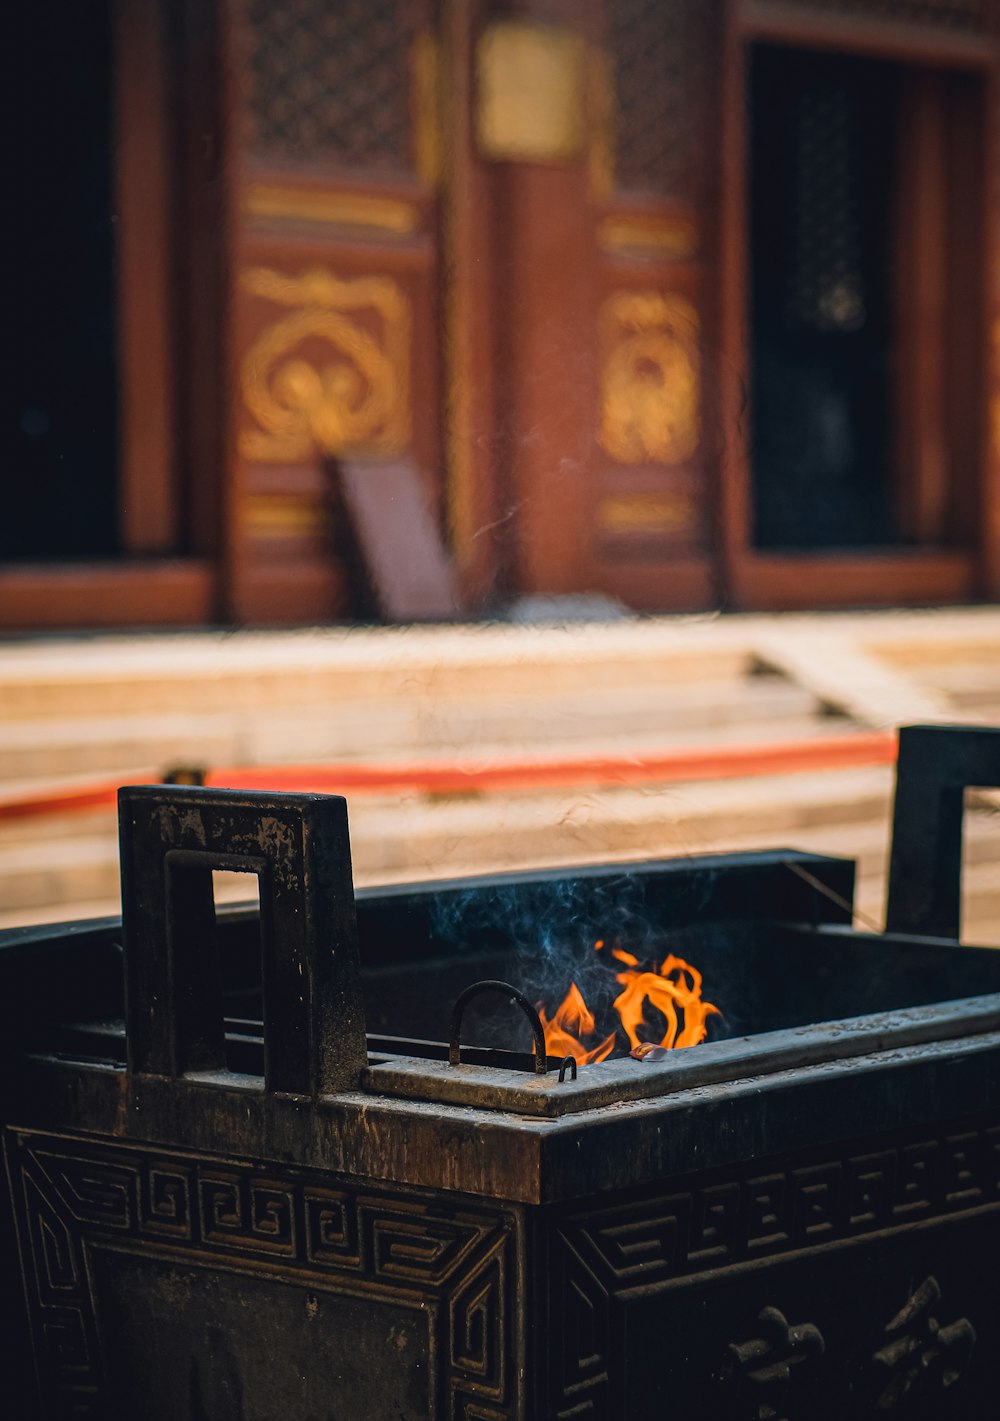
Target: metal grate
330, 81
970, 16
659, 51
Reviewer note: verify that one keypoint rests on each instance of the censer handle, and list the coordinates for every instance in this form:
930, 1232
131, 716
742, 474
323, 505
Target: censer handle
172, 838
490, 984
936, 764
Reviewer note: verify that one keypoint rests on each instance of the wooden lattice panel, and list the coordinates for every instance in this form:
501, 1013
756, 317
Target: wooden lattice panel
826, 280
659, 55
330, 81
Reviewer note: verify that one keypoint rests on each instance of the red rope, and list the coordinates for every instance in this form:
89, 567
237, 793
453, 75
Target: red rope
480, 776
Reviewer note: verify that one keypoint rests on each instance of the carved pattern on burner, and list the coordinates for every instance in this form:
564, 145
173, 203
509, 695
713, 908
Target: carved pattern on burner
764, 1365
580, 1341
72, 1194
920, 1355
656, 1241
664, 1237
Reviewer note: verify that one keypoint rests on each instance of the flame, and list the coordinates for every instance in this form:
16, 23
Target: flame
572, 1019
674, 989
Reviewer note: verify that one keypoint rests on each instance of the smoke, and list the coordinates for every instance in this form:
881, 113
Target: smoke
543, 932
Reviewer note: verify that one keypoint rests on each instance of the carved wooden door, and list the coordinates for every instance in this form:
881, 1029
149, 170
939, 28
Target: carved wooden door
856, 224
449, 251
335, 287
594, 125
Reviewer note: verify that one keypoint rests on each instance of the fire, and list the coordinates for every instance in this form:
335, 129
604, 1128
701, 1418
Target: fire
572, 1019
674, 989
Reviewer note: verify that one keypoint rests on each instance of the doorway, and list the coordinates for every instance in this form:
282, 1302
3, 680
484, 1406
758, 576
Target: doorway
60, 446
853, 302
823, 329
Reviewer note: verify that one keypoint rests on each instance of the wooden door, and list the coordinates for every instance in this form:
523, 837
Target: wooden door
855, 303
595, 129
335, 281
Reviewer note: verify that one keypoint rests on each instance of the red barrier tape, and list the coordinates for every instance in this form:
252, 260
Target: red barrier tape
431, 777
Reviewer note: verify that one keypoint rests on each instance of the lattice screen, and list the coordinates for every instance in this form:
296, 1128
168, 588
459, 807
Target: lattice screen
660, 52
825, 279
330, 81
970, 16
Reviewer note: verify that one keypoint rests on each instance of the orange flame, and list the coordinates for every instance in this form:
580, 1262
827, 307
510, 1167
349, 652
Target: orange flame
572, 1019
674, 990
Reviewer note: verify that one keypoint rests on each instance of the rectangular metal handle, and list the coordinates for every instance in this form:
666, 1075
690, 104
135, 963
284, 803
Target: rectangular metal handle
172, 838
936, 764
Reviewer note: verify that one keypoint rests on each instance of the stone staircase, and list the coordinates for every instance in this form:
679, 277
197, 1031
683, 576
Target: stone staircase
126, 709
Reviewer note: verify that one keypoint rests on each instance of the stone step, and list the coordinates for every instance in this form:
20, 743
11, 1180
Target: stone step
67, 823
224, 670
227, 671
441, 836
960, 678
408, 726
127, 707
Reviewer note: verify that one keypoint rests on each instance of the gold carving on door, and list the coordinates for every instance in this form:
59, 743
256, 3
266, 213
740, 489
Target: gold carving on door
650, 380
334, 374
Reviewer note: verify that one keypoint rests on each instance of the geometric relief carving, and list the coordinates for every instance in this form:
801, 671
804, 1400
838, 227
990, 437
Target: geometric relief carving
816, 1193
163, 1200
55, 1259
963, 1167
333, 375
257, 1213
103, 1197
869, 1181
921, 1355
715, 1223
763, 1366
52, 1260
478, 1339
331, 1224
788, 1208
580, 1337
609, 1253
73, 1195
915, 1171
632, 1246
417, 1250
650, 380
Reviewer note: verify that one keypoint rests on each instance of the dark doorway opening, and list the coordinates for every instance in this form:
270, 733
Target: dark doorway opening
824, 138
59, 446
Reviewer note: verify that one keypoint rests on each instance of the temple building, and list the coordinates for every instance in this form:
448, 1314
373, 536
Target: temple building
689, 303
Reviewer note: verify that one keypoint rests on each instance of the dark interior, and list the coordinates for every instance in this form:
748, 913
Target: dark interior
823, 138
61, 429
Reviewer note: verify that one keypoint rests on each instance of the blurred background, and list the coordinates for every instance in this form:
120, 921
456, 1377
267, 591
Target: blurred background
499, 413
